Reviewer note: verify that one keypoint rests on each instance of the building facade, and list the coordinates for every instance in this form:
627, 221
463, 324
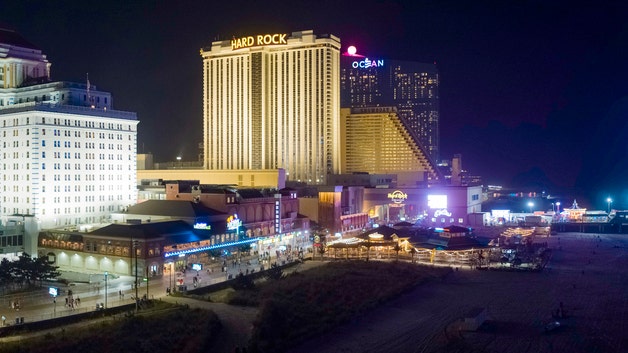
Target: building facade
272, 101
377, 141
434, 207
411, 87
347, 209
20, 62
267, 178
68, 158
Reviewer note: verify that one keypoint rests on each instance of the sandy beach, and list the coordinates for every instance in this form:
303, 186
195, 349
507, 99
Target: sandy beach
587, 274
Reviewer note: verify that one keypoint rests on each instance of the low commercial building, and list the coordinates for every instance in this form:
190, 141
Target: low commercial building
199, 223
111, 248
341, 208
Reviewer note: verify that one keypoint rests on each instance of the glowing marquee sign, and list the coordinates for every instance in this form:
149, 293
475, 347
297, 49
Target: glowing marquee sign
439, 213
397, 196
366, 63
204, 226
437, 201
233, 222
260, 39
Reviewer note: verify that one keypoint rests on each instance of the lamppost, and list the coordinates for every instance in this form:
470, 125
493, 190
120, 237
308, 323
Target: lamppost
147, 283
54, 292
531, 204
106, 275
135, 245
171, 269
609, 201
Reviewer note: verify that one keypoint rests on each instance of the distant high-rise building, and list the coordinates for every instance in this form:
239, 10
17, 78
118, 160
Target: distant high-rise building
378, 142
272, 101
67, 158
411, 87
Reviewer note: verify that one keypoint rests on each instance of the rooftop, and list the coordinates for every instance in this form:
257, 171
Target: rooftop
173, 208
11, 37
68, 109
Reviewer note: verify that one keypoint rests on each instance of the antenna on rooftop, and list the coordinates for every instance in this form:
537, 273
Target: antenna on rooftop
90, 99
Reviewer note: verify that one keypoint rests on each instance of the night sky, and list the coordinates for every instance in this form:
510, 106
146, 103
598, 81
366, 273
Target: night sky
534, 94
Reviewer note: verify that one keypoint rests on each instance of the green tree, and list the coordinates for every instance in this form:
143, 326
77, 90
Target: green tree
368, 249
6, 270
23, 269
45, 271
322, 250
26, 270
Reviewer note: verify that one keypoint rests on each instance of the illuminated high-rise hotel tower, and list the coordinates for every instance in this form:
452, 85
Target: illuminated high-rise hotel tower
411, 87
67, 159
272, 101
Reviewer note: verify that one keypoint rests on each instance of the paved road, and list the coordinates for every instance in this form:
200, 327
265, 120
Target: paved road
237, 321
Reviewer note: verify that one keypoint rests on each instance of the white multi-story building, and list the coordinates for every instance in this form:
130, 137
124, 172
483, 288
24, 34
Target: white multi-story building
272, 101
68, 159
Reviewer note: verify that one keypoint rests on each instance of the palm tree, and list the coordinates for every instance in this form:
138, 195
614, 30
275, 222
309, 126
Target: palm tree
413, 252
368, 249
322, 250
397, 249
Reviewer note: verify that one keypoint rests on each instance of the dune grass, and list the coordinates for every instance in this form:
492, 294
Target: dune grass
176, 330
305, 304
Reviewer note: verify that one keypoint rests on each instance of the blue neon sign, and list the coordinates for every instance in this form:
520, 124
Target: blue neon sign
366, 63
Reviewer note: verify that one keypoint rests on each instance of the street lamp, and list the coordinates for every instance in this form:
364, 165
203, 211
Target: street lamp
54, 292
135, 246
171, 269
530, 204
609, 201
106, 274
147, 282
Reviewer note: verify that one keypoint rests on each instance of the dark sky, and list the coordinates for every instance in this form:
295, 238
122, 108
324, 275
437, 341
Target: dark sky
533, 93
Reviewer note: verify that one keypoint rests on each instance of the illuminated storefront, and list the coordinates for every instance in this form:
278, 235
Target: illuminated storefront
429, 206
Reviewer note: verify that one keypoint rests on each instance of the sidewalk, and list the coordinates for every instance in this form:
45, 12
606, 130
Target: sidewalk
38, 305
